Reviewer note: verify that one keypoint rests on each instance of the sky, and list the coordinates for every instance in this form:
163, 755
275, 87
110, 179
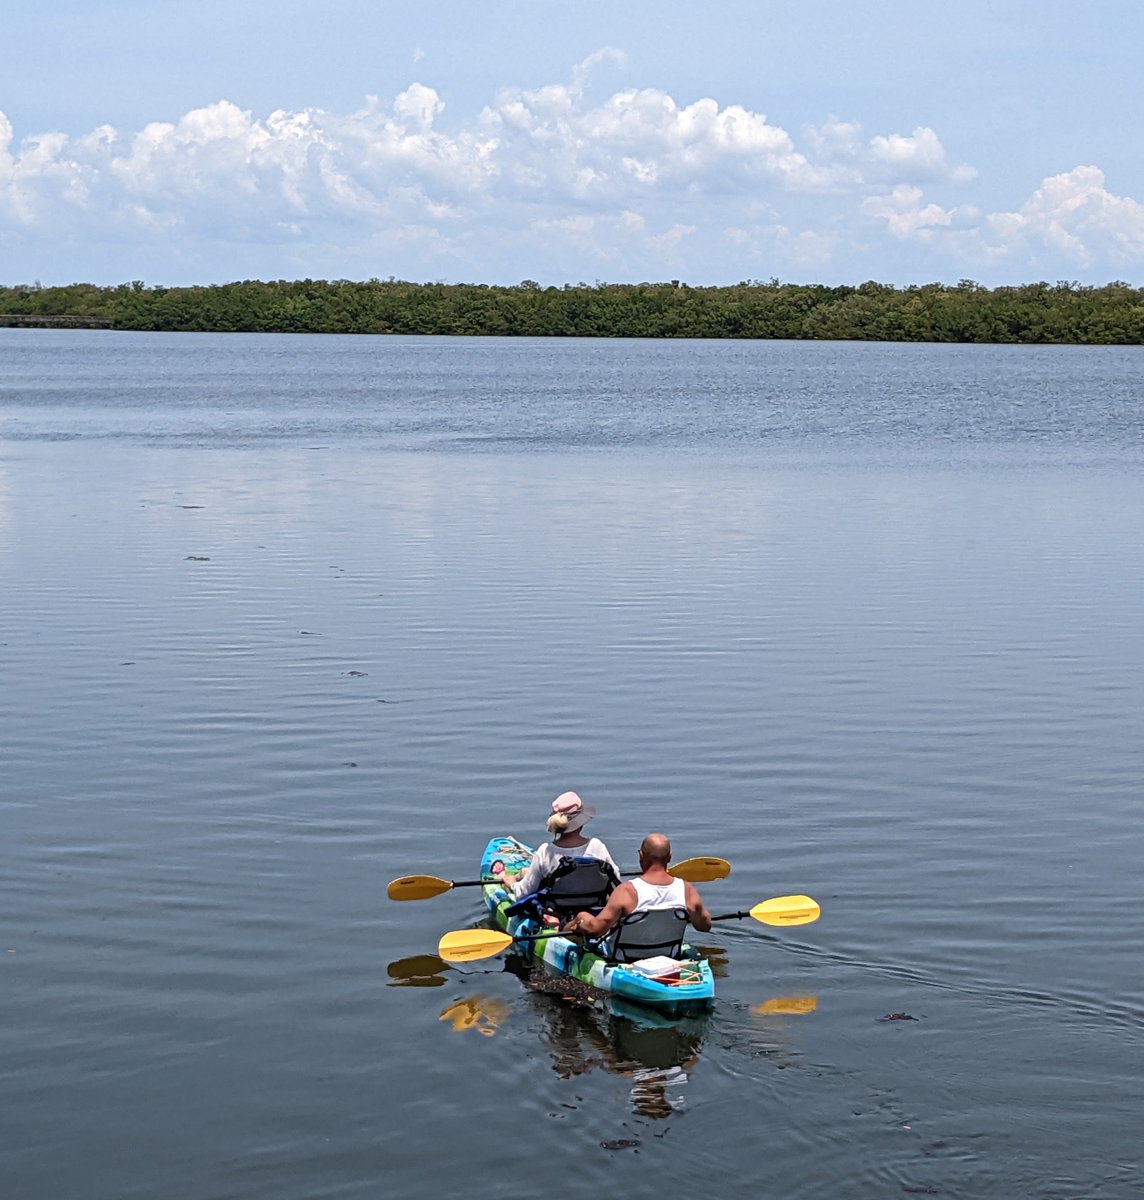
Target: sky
626, 141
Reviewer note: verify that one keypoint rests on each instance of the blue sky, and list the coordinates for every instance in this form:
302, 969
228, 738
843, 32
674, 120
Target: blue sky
622, 141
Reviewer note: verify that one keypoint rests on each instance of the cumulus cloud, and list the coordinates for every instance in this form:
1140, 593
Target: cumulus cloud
920, 153
905, 214
221, 166
1071, 218
582, 72
1074, 212
915, 157
632, 178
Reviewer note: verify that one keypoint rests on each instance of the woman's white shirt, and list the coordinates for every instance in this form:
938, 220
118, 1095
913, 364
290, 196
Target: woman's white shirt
547, 857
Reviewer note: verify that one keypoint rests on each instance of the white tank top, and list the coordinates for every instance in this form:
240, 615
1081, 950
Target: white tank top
650, 896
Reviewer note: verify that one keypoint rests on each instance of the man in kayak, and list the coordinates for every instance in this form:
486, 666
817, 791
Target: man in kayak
655, 889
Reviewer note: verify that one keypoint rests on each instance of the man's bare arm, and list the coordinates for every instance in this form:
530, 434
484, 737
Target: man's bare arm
621, 902
697, 912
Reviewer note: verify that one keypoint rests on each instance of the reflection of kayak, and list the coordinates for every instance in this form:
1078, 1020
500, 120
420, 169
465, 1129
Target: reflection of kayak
687, 986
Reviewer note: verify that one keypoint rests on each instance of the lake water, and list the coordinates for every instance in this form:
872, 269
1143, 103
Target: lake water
284, 618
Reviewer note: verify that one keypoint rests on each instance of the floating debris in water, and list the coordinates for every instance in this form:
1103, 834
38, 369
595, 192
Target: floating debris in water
571, 991
357, 674
197, 558
621, 1144
897, 1017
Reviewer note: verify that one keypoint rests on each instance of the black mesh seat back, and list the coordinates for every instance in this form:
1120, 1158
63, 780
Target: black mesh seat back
578, 884
650, 933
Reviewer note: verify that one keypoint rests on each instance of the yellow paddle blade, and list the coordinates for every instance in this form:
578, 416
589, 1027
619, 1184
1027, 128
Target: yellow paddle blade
701, 870
789, 1005
465, 945
787, 910
417, 887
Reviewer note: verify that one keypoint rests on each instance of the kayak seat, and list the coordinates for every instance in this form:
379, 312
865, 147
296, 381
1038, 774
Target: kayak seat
576, 884
647, 934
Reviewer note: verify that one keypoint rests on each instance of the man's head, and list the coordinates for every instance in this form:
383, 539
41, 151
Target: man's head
655, 849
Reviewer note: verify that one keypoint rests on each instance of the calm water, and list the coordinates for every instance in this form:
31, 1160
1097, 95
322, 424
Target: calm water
284, 618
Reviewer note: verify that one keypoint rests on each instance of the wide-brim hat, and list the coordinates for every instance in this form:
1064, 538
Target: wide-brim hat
569, 804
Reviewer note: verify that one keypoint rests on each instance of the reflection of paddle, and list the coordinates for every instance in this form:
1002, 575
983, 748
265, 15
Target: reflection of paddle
416, 966
421, 970
423, 887
788, 1005
482, 1013
465, 945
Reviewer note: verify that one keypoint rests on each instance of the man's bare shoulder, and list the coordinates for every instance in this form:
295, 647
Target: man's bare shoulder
624, 897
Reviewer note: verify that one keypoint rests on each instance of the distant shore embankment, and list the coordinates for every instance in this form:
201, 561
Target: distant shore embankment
34, 321
1035, 313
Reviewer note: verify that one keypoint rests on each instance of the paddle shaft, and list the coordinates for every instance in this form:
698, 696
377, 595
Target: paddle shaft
456, 883
465, 945
496, 879
424, 887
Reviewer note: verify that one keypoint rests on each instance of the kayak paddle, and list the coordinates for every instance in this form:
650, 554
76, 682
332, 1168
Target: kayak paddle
465, 945
423, 887
782, 910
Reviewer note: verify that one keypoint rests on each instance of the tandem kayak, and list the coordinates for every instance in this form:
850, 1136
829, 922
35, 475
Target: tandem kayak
686, 987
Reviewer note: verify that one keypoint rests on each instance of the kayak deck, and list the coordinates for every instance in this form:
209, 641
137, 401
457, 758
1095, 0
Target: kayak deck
687, 988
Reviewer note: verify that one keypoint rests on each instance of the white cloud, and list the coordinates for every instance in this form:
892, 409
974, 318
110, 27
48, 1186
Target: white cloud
904, 213
633, 179
221, 168
672, 238
582, 72
836, 139
1075, 213
921, 151
1072, 220
919, 156
417, 108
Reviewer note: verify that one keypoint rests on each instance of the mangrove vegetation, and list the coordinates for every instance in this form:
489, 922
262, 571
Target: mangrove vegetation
1064, 312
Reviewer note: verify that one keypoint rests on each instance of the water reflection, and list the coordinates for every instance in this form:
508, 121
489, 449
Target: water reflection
419, 970
793, 1006
716, 957
585, 1031
483, 1013
656, 1054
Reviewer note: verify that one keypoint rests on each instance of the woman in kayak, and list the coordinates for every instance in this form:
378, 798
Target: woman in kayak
569, 816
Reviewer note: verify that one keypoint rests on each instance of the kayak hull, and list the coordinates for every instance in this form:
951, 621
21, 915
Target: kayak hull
690, 989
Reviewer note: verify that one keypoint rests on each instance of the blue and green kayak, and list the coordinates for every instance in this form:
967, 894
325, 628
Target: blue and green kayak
687, 987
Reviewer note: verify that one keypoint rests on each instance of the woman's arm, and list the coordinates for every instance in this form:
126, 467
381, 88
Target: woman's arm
527, 881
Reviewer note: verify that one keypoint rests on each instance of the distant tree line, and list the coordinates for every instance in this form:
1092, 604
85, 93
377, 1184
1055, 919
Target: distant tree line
1064, 312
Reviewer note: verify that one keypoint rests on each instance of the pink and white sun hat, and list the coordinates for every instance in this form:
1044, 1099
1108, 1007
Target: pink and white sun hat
569, 804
